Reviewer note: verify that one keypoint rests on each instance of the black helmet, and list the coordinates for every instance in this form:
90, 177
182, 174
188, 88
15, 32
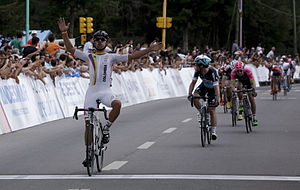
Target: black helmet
101, 33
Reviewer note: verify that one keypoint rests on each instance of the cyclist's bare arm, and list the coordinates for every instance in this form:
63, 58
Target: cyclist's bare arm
192, 86
216, 88
155, 46
64, 28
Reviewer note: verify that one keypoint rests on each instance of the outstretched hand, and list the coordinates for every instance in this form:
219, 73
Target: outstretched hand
154, 46
62, 25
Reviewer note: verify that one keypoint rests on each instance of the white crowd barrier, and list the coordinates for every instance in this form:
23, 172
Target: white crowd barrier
31, 102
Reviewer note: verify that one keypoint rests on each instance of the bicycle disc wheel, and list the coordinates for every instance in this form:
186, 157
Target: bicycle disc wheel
90, 154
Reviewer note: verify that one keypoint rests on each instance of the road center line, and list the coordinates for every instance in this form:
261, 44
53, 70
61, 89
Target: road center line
186, 120
153, 177
170, 130
146, 145
115, 165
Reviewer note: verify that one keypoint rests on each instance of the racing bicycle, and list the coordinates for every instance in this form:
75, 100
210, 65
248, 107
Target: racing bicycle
95, 136
203, 119
247, 108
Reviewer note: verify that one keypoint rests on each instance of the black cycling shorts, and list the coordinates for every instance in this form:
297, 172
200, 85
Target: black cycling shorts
203, 90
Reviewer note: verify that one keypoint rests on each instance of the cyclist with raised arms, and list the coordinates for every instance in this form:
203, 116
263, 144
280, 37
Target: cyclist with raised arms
100, 69
245, 79
209, 86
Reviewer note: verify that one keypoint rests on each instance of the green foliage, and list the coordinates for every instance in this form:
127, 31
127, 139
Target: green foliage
207, 22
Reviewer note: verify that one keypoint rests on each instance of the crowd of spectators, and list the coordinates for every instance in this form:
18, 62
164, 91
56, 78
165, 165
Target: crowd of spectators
39, 59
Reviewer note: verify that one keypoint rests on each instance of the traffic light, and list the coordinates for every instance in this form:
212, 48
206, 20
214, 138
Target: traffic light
83, 39
89, 24
82, 25
160, 22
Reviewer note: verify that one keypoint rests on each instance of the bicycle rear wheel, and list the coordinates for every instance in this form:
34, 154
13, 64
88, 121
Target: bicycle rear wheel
203, 127
233, 112
246, 114
285, 86
100, 153
100, 157
208, 131
90, 152
250, 123
225, 102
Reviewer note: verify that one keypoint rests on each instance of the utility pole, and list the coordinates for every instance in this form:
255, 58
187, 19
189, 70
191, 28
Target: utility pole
241, 23
237, 21
165, 23
295, 31
27, 21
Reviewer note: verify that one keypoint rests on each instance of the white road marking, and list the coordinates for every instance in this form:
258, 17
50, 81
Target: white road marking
278, 98
186, 120
115, 165
153, 177
170, 130
146, 145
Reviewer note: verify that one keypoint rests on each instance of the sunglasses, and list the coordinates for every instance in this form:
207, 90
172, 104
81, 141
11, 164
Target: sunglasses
100, 38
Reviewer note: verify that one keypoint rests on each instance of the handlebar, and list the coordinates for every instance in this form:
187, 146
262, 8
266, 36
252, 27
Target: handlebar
75, 116
243, 90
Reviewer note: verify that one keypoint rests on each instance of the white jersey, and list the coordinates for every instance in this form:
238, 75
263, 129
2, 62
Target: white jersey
100, 66
286, 68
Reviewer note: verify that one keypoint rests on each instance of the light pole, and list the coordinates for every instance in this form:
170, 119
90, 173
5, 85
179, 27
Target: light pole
295, 31
241, 23
27, 21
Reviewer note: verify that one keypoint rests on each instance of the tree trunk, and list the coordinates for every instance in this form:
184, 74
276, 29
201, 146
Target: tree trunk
185, 39
72, 20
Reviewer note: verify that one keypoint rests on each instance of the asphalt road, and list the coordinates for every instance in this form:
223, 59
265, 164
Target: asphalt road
156, 145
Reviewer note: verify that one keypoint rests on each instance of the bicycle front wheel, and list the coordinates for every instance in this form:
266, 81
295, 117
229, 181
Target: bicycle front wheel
90, 152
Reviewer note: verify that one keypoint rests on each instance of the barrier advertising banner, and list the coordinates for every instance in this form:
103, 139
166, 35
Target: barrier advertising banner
17, 102
69, 94
31, 102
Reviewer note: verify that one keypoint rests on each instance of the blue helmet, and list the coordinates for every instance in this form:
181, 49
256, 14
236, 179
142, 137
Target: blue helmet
202, 60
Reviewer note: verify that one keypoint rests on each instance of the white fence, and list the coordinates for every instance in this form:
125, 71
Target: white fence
31, 102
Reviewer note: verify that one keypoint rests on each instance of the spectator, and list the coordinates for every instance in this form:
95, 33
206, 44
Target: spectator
271, 55
235, 47
52, 47
88, 46
33, 34
18, 42
2, 59
7, 51
4, 44
31, 49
